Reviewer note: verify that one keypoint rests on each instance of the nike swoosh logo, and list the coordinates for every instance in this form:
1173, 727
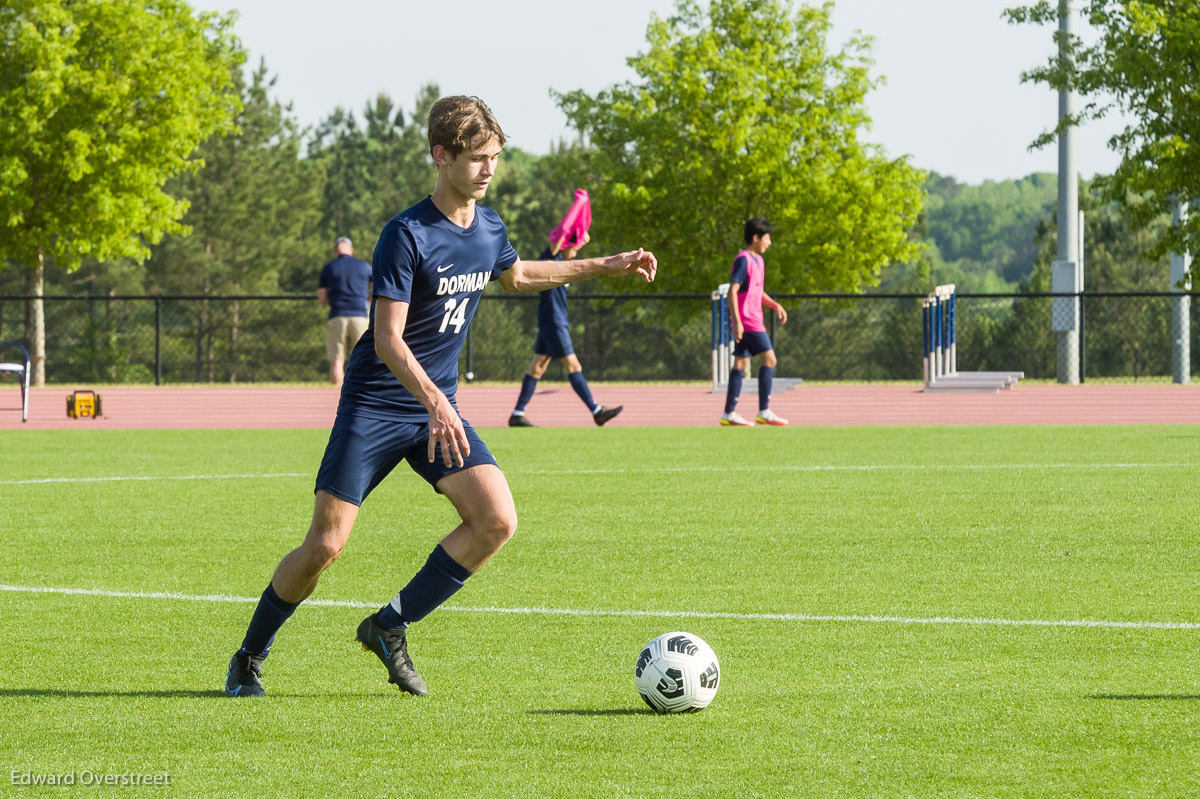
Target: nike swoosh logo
382, 645
441, 269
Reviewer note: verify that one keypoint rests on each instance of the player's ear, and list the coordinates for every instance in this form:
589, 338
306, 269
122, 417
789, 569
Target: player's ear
441, 156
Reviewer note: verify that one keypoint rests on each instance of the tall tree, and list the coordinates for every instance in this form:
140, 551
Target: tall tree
252, 224
100, 102
1146, 62
988, 229
740, 110
374, 170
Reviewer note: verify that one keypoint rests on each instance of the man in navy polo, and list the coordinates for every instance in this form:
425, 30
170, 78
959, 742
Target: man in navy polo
344, 285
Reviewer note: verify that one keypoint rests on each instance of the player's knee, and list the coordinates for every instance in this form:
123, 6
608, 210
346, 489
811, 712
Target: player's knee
496, 527
322, 552
768, 359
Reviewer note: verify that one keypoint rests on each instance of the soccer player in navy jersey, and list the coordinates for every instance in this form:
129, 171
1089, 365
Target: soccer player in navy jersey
746, 301
554, 343
398, 400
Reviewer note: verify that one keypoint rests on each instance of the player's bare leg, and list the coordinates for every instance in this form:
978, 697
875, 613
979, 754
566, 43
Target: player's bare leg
294, 579
296, 575
489, 518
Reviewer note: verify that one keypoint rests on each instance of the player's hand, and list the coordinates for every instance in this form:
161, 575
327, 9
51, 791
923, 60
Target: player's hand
738, 330
446, 431
782, 314
633, 262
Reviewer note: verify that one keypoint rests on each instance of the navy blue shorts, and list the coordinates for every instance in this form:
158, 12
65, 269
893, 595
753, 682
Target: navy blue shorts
361, 452
553, 341
752, 343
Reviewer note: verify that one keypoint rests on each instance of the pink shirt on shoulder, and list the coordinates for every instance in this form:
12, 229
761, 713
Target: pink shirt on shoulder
749, 271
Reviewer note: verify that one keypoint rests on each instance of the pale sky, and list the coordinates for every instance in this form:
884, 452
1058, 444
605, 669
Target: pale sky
953, 100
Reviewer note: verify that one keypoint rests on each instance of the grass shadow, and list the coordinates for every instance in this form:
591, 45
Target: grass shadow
1148, 697
175, 694
581, 712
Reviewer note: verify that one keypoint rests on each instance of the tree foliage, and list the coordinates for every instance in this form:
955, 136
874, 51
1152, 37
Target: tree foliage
981, 238
741, 111
1146, 62
101, 101
254, 206
373, 171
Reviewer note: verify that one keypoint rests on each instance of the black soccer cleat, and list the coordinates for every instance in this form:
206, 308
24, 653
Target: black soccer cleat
519, 420
245, 675
391, 647
604, 414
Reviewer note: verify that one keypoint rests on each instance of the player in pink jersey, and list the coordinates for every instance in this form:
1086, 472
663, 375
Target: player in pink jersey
746, 301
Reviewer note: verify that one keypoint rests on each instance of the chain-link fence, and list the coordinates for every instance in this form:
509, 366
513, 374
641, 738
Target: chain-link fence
160, 340
202, 339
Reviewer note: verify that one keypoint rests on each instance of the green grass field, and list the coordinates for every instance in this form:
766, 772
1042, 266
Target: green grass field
934, 540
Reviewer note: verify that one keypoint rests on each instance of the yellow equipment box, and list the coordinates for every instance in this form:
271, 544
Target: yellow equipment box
83, 404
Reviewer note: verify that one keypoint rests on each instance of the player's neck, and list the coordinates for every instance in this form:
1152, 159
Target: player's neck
458, 208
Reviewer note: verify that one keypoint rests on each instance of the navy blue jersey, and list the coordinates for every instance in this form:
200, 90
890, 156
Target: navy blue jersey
346, 279
440, 270
552, 304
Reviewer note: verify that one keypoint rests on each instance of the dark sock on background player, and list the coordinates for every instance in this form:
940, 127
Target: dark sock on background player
765, 375
528, 386
735, 389
580, 384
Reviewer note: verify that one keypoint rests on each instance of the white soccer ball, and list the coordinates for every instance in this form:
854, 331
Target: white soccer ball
677, 673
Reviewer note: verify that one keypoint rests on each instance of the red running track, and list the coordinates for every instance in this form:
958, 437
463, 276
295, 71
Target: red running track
555, 405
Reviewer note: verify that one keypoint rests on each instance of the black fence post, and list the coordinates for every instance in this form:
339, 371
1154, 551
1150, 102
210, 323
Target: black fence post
158, 341
470, 358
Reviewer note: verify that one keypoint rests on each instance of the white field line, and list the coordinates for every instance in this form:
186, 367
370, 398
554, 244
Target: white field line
658, 614
881, 467
655, 470
144, 478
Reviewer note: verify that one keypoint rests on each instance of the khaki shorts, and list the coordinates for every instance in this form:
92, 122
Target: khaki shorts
341, 334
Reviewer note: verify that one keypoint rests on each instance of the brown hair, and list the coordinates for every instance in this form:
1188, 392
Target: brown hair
459, 123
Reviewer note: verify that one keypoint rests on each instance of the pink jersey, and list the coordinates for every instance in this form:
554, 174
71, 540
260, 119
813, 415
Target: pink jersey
749, 272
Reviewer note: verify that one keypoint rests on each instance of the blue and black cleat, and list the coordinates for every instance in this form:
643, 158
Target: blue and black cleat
391, 646
245, 675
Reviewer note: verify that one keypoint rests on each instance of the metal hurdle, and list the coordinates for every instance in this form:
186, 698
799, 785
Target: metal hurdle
722, 338
722, 350
939, 331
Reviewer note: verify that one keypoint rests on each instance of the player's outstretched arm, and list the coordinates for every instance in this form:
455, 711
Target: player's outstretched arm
445, 426
527, 276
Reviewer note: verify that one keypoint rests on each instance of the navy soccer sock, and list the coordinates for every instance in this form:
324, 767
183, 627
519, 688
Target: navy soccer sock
528, 385
268, 617
436, 582
734, 390
765, 375
579, 383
